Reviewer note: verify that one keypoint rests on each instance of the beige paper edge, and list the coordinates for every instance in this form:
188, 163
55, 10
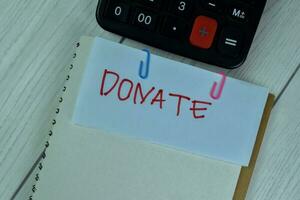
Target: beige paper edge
246, 172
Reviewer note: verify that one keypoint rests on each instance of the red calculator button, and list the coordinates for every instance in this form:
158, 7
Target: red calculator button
204, 31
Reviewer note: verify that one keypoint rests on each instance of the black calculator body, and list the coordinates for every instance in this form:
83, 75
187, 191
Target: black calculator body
218, 32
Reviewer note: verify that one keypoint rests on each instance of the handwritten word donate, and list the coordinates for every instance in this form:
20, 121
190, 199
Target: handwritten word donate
127, 90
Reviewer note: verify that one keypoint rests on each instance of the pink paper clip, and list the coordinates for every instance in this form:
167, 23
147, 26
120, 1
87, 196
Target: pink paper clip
217, 95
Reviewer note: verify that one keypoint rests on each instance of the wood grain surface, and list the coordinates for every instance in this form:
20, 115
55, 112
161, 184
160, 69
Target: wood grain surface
36, 46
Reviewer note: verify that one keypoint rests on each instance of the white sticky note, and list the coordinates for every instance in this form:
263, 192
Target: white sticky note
115, 99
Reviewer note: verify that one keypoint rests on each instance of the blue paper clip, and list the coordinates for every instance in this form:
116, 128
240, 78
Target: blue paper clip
144, 69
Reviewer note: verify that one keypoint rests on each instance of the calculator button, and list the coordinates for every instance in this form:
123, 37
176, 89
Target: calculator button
182, 7
174, 27
118, 11
145, 19
151, 3
230, 42
211, 4
203, 32
238, 13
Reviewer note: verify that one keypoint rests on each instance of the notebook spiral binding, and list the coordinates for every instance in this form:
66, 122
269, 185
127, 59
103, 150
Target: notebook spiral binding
60, 100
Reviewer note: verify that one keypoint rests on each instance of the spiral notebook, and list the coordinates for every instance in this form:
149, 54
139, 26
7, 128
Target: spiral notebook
85, 159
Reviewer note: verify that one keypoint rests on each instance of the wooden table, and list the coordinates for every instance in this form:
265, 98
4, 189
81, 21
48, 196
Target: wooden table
36, 44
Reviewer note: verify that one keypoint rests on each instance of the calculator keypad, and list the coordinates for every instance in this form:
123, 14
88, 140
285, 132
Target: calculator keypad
218, 32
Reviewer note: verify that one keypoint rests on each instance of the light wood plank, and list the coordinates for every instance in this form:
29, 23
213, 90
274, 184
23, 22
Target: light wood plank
37, 40
277, 172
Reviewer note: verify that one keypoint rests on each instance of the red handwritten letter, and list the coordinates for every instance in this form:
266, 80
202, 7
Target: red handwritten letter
194, 108
180, 97
159, 98
129, 91
138, 88
107, 72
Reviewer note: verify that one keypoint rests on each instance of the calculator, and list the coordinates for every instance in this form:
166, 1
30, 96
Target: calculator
217, 32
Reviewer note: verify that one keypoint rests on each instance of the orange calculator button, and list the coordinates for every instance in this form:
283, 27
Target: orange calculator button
204, 31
